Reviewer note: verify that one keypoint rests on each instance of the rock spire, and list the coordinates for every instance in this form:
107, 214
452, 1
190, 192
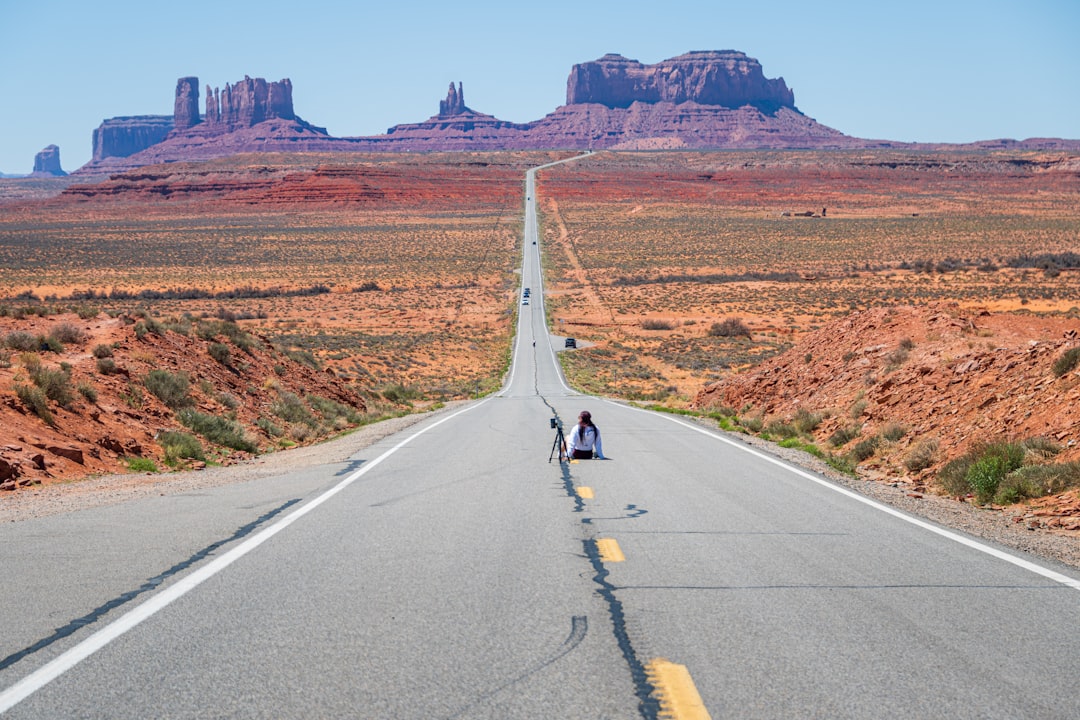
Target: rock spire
454, 104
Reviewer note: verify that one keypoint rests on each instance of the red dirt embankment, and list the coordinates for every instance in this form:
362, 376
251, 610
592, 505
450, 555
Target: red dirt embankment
940, 373
112, 416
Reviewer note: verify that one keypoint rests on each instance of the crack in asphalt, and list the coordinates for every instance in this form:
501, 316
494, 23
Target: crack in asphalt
579, 627
648, 705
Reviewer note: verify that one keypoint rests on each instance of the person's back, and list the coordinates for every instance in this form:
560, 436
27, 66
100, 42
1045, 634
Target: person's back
585, 439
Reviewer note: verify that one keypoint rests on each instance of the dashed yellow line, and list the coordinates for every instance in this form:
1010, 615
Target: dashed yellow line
675, 689
583, 492
609, 550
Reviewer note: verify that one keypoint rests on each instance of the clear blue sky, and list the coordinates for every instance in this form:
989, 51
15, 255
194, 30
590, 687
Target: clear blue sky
921, 70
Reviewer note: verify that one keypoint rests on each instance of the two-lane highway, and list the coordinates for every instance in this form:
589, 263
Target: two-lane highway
451, 571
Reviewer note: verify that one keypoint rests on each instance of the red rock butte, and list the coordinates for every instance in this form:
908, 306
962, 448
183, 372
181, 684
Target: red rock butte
698, 100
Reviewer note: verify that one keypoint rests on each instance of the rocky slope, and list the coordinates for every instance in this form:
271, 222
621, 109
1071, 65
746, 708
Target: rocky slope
100, 410
940, 375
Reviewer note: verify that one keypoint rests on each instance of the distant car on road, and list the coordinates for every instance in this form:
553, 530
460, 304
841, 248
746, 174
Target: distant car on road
571, 343
527, 292
525, 301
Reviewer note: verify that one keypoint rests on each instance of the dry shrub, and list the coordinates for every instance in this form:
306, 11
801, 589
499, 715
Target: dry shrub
730, 327
922, 455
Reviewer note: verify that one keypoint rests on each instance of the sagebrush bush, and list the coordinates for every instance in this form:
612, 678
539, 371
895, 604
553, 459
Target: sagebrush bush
221, 353
1066, 362
22, 341
56, 384
1042, 447
396, 393
290, 408
102, 351
35, 401
806, 421
88, 391
865, 448
304, 357
893, 432
68, 334
1032, 481
107, 366
782, 429
268, 427
654, 324
895, 359
301, 432
922, 455
50, 344
753, 423
844, 435
332, 410
730, 327
211, 329
981, 470
217, 430
180, 446
170, 388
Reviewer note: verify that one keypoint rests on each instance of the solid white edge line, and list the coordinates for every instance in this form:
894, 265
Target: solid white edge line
72, 657
974, 544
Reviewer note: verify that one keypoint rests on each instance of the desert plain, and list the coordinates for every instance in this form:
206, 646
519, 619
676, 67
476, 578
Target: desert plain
395, 275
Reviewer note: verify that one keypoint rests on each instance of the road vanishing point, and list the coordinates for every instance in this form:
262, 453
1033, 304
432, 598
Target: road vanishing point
453, 571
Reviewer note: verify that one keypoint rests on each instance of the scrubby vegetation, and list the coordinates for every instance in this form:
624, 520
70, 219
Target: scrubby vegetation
173, 389
179, 446
1007, 471
218, 430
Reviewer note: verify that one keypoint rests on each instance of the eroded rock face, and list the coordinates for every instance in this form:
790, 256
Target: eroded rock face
186, 106
47, 162
726, 77
121, 137
250, 101
454, 104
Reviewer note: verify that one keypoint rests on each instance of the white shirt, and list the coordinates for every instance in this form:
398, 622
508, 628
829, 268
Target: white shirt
587, 440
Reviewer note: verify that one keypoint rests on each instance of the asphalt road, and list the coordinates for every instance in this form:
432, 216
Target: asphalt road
453, 571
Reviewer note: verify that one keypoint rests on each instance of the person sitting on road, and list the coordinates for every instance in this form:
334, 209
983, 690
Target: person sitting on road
585, 439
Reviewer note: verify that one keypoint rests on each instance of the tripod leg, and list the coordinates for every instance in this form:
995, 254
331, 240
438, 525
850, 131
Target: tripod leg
558, 445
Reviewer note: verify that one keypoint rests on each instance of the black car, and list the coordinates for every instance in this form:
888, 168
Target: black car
571, 343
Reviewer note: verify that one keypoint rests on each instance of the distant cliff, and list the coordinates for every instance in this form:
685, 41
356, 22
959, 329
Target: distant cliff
240, 105
47, 163
727, 78
699, 100
121, 137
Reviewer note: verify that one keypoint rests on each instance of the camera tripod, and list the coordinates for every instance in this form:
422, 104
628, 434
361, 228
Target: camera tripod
559, 446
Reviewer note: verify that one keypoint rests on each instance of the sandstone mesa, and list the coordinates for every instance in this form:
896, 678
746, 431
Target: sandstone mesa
703, 99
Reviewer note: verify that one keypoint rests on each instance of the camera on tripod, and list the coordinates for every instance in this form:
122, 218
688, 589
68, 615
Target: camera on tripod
559, 446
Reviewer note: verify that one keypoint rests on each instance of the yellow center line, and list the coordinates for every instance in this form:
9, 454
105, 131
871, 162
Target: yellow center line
584, 492
609, 550
675, 689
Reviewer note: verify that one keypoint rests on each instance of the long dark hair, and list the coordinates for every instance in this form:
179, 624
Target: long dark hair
586, 419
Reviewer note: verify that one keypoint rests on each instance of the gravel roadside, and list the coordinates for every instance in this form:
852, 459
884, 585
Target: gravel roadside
993, 526
41, 501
